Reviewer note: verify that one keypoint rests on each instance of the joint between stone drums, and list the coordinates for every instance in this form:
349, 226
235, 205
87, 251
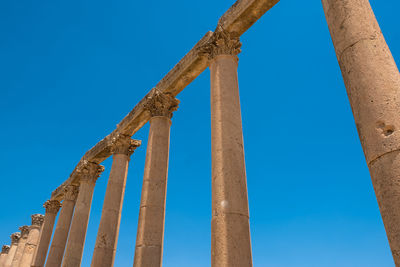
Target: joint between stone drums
372, 161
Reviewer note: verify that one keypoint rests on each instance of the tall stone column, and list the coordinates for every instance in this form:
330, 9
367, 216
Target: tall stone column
21, 245
372, 81
62, 228
150, 232
107, 236
15, 237
32, 240
52, 207
230, 230
88, 173
4, 253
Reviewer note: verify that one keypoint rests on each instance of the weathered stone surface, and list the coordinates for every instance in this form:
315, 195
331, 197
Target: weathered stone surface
4, 253
52, 207
150, 230
63, 225
15, 237
373, 85
32, 240
21, 245
107, 235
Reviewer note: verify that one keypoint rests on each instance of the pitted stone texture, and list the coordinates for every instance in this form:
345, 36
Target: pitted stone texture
373, 85
150, 230
89, 173
230, 233
160, 104
52, 206
21, 245
15, 237
62, 229
4, 253
107, 236
32, 240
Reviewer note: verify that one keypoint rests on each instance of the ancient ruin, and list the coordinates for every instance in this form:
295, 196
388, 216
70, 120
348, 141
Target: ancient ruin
373, 85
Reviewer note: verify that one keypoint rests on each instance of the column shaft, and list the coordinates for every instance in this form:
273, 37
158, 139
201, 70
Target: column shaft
21, 246
230, 230
373, 85
57, 247
107, 236
30, 247
52, 207
10, 255
77, 235
150, 232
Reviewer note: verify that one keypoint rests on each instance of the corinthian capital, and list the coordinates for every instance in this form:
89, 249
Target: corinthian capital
89, 171
52, 206
124, 144
15, 238
24, 231
71, 192
5, 249
37, 219
160, 104
221, 43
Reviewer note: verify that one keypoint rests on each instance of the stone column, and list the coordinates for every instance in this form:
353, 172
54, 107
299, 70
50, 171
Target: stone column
88, 173
372, 81
52, 207
4, 253
62, 228
31, 243
15, 237
230, 230
21, 245
107, 236
150, 232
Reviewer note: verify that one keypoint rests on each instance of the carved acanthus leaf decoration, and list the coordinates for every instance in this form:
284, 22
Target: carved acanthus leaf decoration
52, 206
160, 104
5, 249
15, 237
24, 231
124, 144
71, 192
37, 219
221, 43
89, 171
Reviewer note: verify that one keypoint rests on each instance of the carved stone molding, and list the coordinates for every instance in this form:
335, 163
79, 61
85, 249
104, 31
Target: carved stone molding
89, 171
52, 206
24, 231
37, 219
71, 192
221, 43
15, 238
160, 104
124, 144
5, 249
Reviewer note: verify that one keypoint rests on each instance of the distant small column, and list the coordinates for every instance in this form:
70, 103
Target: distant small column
15, 237
107, 236
150, 231
88, 173
4, 253
31, 243
21, 245
230, 229
62, 228
52, 207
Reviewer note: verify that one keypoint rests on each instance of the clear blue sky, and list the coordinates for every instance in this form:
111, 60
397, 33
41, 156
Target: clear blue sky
71, 70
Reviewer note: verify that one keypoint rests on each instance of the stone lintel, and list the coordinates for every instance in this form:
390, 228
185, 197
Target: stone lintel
243, 14
236, 20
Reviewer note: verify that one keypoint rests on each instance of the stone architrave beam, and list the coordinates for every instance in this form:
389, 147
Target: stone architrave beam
236, 20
